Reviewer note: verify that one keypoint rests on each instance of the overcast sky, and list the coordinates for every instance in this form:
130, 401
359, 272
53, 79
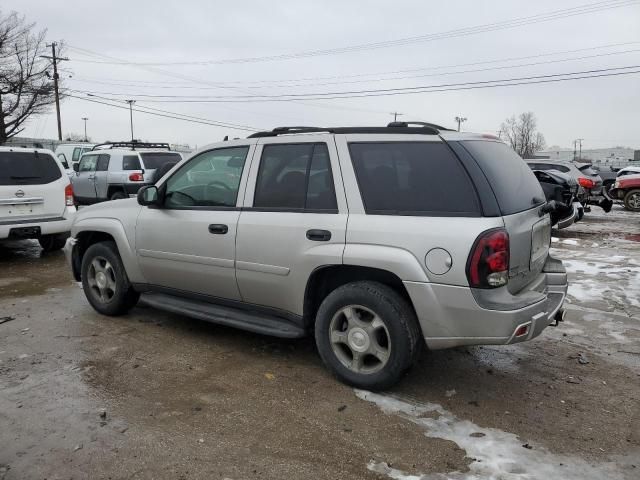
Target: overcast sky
604, 111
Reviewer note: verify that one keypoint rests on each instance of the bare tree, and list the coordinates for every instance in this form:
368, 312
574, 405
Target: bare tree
26, 88
522, 134
76, 137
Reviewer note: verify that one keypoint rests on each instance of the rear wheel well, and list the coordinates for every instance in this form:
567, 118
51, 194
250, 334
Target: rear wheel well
84, 241
115, 188
325, 280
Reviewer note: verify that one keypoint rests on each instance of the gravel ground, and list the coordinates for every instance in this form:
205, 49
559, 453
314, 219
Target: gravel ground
154, 395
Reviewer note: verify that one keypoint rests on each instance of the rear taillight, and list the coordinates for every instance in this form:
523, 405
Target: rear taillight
68, 196
136, 177
586, 182
488, 264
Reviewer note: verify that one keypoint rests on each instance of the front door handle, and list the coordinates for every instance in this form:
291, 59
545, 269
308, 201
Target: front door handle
319, 235
218, 228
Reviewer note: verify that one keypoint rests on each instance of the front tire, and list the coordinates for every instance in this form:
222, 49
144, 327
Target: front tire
632, 200
105, 281
367, 335
54, 242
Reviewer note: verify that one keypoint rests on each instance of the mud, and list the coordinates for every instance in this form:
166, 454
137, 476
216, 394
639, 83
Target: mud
186, 400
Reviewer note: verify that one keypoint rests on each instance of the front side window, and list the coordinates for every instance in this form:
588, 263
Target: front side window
88, 163
295, 177
76, 154
211, 179
412, 178
63, 160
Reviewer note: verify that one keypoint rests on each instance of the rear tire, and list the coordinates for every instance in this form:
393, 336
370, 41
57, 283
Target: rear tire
105, 281
118, 195
367, 335
54, 242
632, 200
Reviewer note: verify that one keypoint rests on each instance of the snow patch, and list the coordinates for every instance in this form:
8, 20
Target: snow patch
496, 455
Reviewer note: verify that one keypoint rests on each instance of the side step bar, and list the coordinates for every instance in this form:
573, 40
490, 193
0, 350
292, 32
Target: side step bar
232, 317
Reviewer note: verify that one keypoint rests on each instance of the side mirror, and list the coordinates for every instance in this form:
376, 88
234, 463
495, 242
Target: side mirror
149, 196
76, 167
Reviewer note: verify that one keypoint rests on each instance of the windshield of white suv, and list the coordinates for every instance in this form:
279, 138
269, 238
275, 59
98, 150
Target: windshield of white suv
28, 168
153, 160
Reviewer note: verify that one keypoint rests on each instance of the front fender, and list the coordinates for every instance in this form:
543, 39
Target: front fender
124, 241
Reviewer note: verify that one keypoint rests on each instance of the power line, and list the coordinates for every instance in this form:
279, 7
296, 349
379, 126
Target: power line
505, 24
209, 122
392, 78
356, 93
113, 81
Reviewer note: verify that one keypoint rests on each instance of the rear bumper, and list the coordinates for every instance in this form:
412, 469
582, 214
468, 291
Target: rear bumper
9, 228
451, 316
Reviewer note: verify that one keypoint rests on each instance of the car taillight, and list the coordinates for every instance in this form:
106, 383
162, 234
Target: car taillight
488, 264
68, 196
136, 177
586, 182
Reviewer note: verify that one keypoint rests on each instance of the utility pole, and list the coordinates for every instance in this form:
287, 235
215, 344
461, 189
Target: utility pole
85, 128
54, 59
460, 120
575, 142
395, 115
579, 140
131, 102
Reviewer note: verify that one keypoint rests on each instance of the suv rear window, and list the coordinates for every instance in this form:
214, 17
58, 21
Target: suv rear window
413, 178
153, 160
28, 168
515, 186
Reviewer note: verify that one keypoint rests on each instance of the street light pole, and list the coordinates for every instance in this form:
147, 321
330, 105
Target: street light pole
395, 115
131, 102
85, 128
460, 120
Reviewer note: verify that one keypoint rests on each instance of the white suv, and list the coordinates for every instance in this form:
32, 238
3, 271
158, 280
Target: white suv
36, 198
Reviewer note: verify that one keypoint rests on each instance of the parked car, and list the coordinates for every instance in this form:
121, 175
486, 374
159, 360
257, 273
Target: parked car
627, 189
340, 233
590, 191
70, 153
633, 170
114, 171
609, 176
36, 198
562, 189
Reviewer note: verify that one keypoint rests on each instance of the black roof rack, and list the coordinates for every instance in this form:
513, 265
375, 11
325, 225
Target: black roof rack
131, 145
394, 127
422, 124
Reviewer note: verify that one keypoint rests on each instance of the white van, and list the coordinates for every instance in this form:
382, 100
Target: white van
70, 153
36, 197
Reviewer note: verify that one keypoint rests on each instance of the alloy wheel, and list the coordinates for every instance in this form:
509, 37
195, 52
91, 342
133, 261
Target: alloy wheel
101, 278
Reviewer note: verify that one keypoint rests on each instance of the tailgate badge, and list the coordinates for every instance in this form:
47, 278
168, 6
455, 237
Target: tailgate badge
19, 194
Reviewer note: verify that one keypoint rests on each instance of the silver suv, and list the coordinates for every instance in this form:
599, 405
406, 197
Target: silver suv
113, 171
378, 240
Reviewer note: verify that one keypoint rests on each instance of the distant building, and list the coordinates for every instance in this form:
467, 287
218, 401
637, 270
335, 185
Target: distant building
616, 156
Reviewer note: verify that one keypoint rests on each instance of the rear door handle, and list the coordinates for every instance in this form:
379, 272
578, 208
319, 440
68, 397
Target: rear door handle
319, 235
218, 228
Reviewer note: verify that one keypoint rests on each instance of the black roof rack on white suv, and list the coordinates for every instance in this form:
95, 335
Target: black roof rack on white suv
131, 145
393, 127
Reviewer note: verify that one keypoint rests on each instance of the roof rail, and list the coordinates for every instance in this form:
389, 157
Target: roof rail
132, 145
394, 127
422, 124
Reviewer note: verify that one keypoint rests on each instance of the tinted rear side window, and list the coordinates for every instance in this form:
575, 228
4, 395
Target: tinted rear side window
515, 186
295, 177
28, 168
413, 178
131, 162
153, 160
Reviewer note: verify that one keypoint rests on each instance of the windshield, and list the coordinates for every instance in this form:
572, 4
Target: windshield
28, 168
515, 186
153, 160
